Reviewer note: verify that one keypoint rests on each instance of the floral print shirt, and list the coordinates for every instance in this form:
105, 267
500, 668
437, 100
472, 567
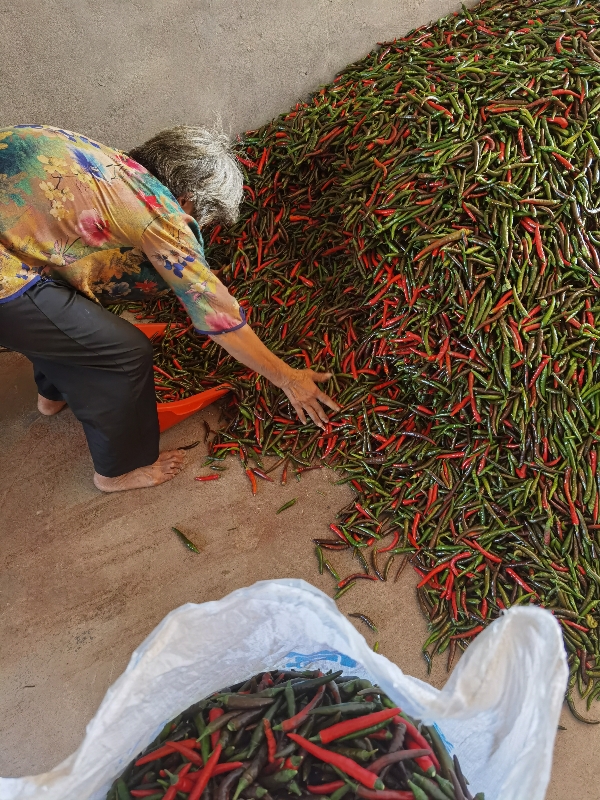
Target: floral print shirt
83, 213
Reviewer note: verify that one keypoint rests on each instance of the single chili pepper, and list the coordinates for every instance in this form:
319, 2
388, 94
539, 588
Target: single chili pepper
293, 722
467, 634
345, 581
325, 788
163, 751
252, 479
206, 774
213, 716
189, 446
271, 743
207, 477
190, 545
365, 619
261, 474
191, 756
393, 543
353, 725
289, 504
342, 763
342, 591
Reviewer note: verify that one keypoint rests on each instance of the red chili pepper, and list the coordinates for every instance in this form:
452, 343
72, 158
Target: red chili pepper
326, 788
293, 722
171, 792
347, 765
413, 534
520, 581
347, 580
357, 126
539, 370
252, 480
349, 726
271, 743
560, 121
263, 161
478, 547
418, 742
471, 382
390, 139
163, 751
207, 477
438, 107
338, 532
484, 608
504, 300
564, 161
530, 315
393, 543
214, 714
576, 625
162, 372
362, 511
247, 163
473, 632
459, 406
191, 756
208, 771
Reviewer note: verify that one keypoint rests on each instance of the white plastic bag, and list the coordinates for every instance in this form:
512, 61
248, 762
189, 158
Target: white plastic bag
498, 712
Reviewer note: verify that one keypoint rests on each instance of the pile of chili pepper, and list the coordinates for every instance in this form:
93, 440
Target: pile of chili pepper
303, 734
427, 227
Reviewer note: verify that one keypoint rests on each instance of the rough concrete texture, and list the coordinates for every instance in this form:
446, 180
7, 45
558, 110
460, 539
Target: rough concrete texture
84, 577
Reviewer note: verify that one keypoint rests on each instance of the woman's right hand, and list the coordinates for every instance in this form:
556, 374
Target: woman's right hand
300, 386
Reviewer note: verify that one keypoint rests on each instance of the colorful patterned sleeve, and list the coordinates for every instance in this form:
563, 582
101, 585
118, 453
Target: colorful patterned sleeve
178, 257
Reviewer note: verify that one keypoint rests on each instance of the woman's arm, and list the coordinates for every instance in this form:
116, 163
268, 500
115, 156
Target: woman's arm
298, 384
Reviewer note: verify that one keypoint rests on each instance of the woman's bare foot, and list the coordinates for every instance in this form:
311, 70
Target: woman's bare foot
165, 468
50, 407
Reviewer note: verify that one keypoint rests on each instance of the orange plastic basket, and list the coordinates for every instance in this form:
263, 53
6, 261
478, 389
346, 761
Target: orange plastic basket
170, 414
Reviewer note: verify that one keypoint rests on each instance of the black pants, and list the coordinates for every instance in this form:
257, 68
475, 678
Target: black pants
100, 364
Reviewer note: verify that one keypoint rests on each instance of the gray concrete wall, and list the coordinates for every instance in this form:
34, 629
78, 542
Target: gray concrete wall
119, 71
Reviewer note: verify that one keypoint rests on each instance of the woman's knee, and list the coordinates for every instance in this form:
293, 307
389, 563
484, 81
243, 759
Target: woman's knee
139, 352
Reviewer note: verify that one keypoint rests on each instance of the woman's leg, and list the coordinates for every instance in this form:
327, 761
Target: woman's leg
102, 367
50, 400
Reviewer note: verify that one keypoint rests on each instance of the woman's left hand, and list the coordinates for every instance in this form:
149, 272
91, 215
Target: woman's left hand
300, 386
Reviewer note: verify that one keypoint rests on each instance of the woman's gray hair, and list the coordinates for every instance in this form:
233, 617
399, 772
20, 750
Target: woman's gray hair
198, 165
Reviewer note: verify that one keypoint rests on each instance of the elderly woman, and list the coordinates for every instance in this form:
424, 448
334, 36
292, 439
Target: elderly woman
81, 222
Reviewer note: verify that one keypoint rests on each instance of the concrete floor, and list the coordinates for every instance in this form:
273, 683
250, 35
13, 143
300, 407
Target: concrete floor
85, 577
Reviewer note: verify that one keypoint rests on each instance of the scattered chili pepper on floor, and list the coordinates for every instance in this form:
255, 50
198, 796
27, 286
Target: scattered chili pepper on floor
289, 504
190, 545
